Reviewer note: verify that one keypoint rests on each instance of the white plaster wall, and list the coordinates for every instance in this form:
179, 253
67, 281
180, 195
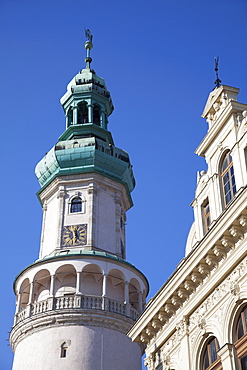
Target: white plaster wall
99, 213
90, 348
106, 221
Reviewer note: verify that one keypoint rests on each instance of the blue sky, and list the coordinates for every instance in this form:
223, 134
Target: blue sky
157, 58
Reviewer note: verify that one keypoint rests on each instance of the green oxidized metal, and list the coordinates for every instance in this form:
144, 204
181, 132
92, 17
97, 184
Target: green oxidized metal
86, 145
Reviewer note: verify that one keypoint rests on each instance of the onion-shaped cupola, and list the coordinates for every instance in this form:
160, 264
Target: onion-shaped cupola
86, 145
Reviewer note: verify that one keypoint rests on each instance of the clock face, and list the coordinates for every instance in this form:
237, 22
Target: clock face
74, 235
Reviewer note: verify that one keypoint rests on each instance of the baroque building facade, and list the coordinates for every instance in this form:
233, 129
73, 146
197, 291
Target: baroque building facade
75, 303
198, 319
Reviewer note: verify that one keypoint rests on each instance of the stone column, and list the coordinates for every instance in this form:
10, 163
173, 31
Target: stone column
126, 298
31, 293
126, 292
67, 120
102, 119
104, 286
52, 286
90, 113
104, 292
51, 298
140, 308
228, 357
30, 300
78, 283
18, 303
75, 113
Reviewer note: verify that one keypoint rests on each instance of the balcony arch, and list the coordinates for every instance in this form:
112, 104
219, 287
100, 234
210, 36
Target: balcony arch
135, 295
24, 294
116, 281
42, 281
65, 282
91, 280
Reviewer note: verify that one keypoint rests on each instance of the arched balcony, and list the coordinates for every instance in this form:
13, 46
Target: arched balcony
88, 289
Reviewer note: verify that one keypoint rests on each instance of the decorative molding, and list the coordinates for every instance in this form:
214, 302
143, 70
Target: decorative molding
215, 256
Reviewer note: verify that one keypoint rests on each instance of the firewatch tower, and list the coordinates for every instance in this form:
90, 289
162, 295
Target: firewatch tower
77, 301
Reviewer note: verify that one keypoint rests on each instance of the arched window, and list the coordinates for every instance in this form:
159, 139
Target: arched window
64, 350
210, 356
96, 115
206, 215
228, 178
76, 205
70, 117
82, 113
241, 339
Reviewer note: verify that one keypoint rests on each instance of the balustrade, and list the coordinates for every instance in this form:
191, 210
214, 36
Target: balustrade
86, 302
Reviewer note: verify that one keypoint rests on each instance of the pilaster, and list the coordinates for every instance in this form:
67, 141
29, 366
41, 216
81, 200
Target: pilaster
60, 219
92, 192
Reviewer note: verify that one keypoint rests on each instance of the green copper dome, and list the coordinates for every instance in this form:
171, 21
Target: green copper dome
84, 156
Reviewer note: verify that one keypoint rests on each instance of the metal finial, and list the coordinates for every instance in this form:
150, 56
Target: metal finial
88, 46
88, 34
216, 68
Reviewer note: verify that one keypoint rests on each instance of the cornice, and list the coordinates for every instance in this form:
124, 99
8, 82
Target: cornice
223, 246
69, 317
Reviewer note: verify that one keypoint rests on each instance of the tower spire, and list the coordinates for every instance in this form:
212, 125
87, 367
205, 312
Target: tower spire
216, 68
88, 46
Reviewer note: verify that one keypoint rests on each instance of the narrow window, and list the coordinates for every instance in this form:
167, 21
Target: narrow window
82, 113
96, 115
122, 250
210, 354
206, 215
64, 350
240, 339
70, 117
76, 205
228, 178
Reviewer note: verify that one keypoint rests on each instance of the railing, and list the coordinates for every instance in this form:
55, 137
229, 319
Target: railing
39, 307
86, 302
91, 302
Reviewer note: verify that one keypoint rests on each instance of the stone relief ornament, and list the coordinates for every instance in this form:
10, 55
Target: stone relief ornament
201, 324
235, 288
182, 327
219, 315
166, 360
149, 362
